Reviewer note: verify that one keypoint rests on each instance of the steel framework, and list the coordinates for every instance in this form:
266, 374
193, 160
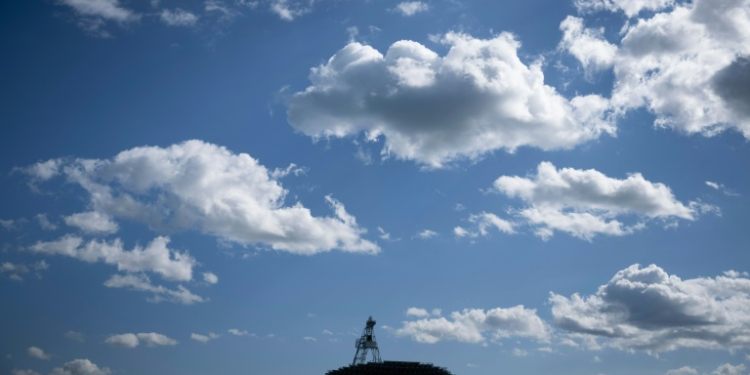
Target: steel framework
366, 343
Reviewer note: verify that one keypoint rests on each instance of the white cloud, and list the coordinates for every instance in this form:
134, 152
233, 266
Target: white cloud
483, 222
722, 188
473, 326
105, 9
178, 17
205, 338
142, 283
629, 7
644, 308
199, 337
585, 203
37, 353
728, 369
587, 45
155, 257
125, 340
289, 10
15, 271
81, 367
687, 65
410, 8
201, 186
519, 352
92, 222
237, 332
478, 98
44, 222
210, 278
426, 234
131, 340
686, 370
93, 15
309, 338
418, 312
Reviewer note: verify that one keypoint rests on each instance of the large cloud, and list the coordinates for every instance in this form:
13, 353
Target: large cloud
473, 326
688, 64
644, 308
478, 98
585, 203
201, 186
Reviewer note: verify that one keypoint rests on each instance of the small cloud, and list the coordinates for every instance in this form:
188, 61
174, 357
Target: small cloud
44, 222
722, 188
327, 332
519, 352
414, 311
37, 353
308, 338
426, 234
471, 365
410, 8
75, 336
237, 332
459, 207
178, 17
210, 278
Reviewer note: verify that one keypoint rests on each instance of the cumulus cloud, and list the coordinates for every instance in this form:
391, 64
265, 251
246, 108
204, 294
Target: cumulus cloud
125, 340
484, 221
478, 98
728, 369
80, 367
585, 203
687, 64
37, 353
644, 308
410, 8
131, 340
475, 325
159, 293
200, 186
178, 17
156, 257
587, 45
92, 222
418, 312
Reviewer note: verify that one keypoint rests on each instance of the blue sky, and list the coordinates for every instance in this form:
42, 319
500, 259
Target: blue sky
234, 186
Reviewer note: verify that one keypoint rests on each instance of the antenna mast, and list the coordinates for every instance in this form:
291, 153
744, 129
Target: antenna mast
366, 343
